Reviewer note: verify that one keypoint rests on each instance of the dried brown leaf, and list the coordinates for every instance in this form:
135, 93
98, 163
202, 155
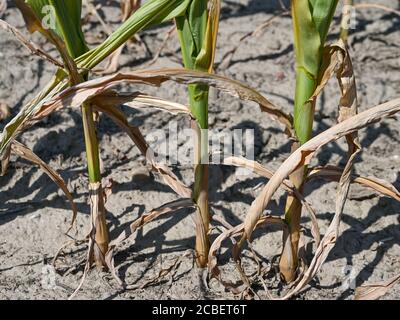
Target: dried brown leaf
31, 46
134, 133
139, 100
381, 186
376, 290
27, 154
76, 95
287, 185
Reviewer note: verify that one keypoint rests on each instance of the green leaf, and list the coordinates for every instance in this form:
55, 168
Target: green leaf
322, 13
65, 17
151, 13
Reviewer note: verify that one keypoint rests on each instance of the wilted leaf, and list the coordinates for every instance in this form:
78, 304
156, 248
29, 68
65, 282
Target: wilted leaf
32, 47
379, 185
286, 184
134, 133
27, 154
376, 290
78, 94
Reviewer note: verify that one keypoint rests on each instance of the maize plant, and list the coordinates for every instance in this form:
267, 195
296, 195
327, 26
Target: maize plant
311, 22
78, 60
198, 29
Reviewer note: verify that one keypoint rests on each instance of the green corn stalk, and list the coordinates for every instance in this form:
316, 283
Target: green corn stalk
67, 17
311, 22
197, 30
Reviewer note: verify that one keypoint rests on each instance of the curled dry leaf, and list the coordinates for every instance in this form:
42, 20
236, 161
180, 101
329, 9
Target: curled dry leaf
82, 92
136, 136
376, 290
140, 222
74, 96
379, 185
287, 185
139, 100
31, 46
27, 154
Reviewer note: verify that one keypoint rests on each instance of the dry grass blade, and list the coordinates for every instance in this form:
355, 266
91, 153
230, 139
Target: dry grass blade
5, 160
93, 10
80, 93
138, 100
140, 222
32, 47
27, 154
376, 290
134, 133
379, 185
376, 6
128, 7
287, 185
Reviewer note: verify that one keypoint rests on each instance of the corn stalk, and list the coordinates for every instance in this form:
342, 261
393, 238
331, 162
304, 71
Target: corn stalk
197, 30
311, 22
66, 17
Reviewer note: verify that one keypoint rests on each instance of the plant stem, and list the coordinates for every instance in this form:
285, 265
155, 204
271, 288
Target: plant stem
311, 22
199, 106
346, 16
96, 194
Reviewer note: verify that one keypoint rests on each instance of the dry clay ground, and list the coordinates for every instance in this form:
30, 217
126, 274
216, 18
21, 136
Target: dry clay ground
34, 214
